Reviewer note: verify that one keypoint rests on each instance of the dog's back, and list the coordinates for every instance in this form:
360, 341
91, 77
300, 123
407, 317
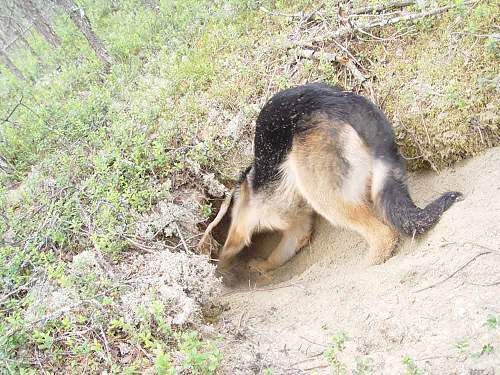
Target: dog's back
295, 114
291, 112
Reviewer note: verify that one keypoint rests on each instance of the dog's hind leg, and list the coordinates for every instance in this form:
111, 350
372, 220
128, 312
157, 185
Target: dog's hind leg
333, 174
381, 238
357, 216
294, 237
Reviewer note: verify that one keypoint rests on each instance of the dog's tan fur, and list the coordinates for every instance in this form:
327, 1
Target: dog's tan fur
314, 177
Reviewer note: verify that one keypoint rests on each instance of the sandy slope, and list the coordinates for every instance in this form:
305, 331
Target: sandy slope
287, 319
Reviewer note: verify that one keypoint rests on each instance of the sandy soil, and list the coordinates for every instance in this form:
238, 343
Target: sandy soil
429, 302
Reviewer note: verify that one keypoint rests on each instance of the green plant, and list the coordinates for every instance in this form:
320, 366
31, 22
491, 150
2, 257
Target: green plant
462, 346
206, 210
411, 367
332, 352
492, 322
163, 363
200, 357
43, 340
363, 366
485, 349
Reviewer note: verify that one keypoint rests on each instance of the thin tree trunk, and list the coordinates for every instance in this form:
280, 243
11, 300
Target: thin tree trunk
8, 62
78, 16
10, 65
41, 23
21, 39
14, 25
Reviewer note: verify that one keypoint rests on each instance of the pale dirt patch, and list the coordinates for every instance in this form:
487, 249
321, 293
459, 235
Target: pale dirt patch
289, 318
181, 282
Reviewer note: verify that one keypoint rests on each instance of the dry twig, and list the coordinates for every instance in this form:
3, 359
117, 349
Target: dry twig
335, 57
454, 273
106, 345
382, 7
19, 103
351, 29
268, 289
141, 246
25, 286
183, 241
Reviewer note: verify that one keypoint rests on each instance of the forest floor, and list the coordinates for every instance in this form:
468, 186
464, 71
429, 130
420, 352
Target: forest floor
430, 309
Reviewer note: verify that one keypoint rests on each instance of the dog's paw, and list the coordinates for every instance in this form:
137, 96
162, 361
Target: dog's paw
374, 260
259, 265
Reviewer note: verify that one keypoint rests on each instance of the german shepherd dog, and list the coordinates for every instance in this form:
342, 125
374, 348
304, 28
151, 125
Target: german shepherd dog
318, 148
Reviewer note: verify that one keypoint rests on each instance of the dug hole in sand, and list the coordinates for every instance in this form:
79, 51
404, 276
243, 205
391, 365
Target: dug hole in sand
430, 309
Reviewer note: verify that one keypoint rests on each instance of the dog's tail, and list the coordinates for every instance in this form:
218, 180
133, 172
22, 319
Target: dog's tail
392, 198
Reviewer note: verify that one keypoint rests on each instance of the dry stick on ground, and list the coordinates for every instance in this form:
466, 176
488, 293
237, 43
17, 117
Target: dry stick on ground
454, 273
141, 246
6, 297
183, 241
315, 367
20, 102
268, 289
347, 30
471, 244
303, 15
38, 362
280, 14
334, 57
312, 357
312, 342
490, 284
308, 17
106, 345
382, 7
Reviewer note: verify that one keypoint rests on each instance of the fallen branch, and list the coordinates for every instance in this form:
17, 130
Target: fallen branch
382, 7
315, 367
408, 17
6, 297
312, 357
280, 14
490, 284
20, 102
183, 241
141, 246
302, 15
454, 273
348, 30
204, 246
266, 289
471, 244
334, 57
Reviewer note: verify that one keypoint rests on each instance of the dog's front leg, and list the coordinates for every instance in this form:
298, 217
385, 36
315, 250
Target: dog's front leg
294, 238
